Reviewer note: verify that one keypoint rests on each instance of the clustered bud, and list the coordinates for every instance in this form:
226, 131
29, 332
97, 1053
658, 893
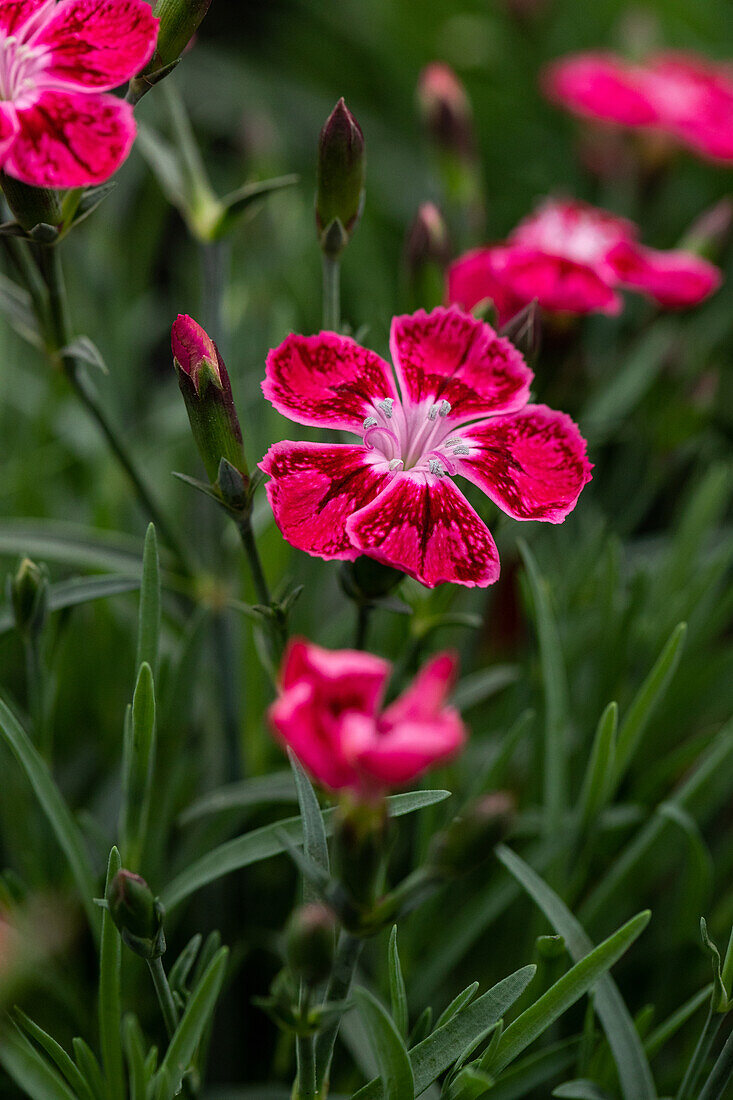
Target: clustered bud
207, 392
137, 914
28, 594
309, 942
340, 184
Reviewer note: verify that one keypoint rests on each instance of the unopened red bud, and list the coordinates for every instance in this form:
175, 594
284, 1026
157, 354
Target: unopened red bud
341, 174
309, 942
179, 21
471, 837
137, 914
446, 110
207, 392
359, 837
428, 242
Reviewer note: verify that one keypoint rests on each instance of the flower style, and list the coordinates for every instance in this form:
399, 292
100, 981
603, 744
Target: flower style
461, 408
573, 258
57, 128
329, 712
678, 94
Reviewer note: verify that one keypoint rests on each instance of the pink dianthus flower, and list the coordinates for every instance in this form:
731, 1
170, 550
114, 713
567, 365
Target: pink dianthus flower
459, 407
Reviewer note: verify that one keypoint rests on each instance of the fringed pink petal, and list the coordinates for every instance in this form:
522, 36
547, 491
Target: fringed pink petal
424, 526
533, 464
326, 380
600, 86
674, 279
8, 129
71, 140
478, 276
559, 284
447, 355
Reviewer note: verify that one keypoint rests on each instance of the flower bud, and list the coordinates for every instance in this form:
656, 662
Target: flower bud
32, 206
28, 591
137, 914
368, 579
359, 845
179, 21
708, 234
340, 187
309, 943
427, 253
207, 392
471, 837
445, 110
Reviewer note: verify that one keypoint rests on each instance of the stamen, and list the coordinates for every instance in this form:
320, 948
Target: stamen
396, 463
444, 408
370, 422
386, 406
454, 441
432, 412
462, 449
435, 467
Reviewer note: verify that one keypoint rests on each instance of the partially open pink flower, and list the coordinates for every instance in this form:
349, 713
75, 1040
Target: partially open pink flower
574, 258
57, 128
678, 94
461, 408
329, 712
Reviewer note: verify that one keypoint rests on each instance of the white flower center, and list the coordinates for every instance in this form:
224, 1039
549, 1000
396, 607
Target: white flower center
418, 437
20, 67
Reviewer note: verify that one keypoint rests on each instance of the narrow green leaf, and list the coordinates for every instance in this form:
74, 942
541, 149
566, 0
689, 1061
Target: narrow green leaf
132, 1038
566, 991
84, 348
198, 1012
464, 998
635, 1076
535, 1071
555, 689
721, 1073
110, 1007
481, 685
646, 699
397, 991
59, 816
581, 1090
669, 1027
720, 998
260, 790
83, 547
77, 591
388, 1047
598, 780
148, 631
89, 1065
138, 765
30, 1070
57, 1054
435, 1054
264, 842
315, 845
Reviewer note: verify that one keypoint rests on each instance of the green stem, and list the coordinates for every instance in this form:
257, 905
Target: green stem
50, 264
710, 1029
363, 615
228, 678
720, 1074
275, 631
165, 997
331, 293
305, 1052
339, 985
36, 684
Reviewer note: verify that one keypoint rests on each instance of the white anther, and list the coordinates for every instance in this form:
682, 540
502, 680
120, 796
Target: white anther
435, 467
396, 463
444, 408
461, 449
370, 422
386, 406
454, 441
432, 412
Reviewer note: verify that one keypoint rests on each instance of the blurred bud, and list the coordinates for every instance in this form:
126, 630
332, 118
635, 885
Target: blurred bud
445, 110
471, 837
427, 240
525, 330
341, 173
309, 943
179, 21
550, 947
28, 591
137, 914
359, 847
709, 233
207, 392
367, 579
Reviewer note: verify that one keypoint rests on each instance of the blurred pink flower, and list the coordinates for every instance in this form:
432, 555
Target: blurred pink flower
678, 94
329, 712
57, 128
574, 258
460, 409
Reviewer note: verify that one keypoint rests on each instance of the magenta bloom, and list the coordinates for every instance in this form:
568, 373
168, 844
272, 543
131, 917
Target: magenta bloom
329, 712
57, 128
678, 94
461, 408
574, 258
